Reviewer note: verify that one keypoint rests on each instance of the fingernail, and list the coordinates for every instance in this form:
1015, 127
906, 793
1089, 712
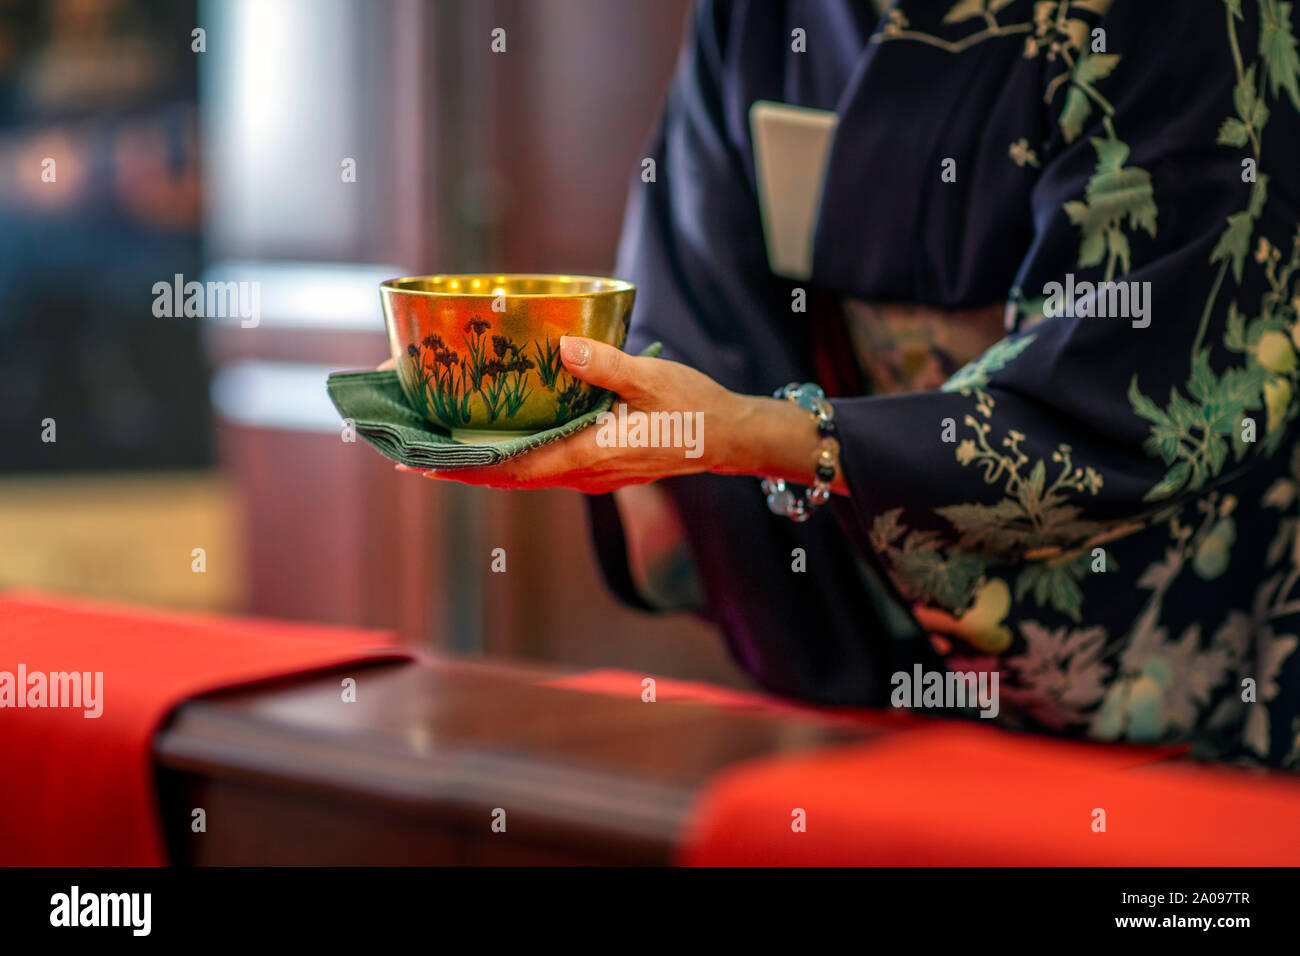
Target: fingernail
575, 351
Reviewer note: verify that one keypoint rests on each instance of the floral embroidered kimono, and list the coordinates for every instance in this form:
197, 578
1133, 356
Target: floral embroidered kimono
1103, 507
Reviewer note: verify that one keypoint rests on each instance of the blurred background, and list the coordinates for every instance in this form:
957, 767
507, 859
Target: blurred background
314, 147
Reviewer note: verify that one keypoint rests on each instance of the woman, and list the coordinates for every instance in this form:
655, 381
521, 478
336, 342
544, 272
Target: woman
1105, 509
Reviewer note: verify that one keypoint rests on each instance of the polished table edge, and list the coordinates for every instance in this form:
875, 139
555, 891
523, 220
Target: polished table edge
553, 797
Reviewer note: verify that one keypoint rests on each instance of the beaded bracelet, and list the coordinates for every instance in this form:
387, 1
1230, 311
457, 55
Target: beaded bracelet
780, 499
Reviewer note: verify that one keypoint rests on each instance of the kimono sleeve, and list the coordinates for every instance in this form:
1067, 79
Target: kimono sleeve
1154, 353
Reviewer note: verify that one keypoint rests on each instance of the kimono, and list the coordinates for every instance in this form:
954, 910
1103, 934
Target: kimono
1103, 508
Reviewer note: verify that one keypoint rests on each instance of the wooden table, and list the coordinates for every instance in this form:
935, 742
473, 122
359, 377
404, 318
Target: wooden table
412, 772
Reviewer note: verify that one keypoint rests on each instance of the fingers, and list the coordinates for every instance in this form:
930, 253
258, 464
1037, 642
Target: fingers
604, 366
386, 364
489, 477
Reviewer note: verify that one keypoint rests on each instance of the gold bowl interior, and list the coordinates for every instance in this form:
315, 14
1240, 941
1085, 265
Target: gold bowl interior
491, 286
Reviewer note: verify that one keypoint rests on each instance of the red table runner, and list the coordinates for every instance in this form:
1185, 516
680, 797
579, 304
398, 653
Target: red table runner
78, 789
954, 795
942, 792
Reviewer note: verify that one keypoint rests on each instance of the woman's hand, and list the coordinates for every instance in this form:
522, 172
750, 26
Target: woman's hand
719, 430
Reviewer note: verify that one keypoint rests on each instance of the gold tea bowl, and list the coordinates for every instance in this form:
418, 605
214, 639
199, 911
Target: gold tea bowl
479, 355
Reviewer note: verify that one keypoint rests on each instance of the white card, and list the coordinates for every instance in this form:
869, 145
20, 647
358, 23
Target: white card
791, 147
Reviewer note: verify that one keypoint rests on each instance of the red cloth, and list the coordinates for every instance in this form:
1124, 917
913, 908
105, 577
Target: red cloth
80, 791
959, 795
940, 792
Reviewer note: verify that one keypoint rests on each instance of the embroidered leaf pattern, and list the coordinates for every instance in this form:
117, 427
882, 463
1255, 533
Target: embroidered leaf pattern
1234, 244
920, 568
1115, 194
975, 374
1090, 68
1064, 669
1034, 514
1056, 583
1252, 114
1193, 435
1277, 46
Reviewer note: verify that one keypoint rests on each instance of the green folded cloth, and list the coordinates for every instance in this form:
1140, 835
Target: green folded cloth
374, 401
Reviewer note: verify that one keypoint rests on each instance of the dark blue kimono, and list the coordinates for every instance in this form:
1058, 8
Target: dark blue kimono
1105, 512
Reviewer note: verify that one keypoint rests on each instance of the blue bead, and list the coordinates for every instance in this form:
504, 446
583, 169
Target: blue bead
806, 396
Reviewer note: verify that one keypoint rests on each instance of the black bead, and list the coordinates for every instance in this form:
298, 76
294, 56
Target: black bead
825, 473
826, 427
